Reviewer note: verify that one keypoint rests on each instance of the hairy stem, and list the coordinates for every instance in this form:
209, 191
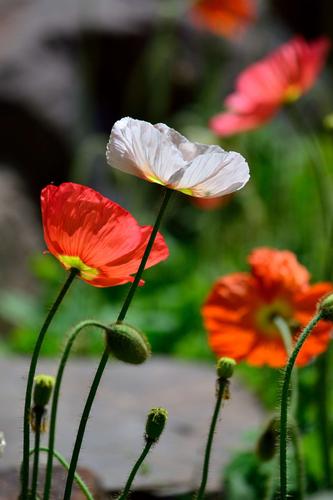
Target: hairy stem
284, 403
287, 339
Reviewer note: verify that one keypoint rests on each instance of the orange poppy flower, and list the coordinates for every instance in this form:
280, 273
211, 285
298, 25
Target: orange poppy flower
223, 17
212, 203
265, 86
86, 231
241, 307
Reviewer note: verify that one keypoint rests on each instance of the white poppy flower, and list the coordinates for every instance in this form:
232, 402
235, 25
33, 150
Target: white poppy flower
159, 154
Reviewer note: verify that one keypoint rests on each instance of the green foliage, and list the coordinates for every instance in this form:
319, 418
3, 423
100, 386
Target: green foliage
246, 478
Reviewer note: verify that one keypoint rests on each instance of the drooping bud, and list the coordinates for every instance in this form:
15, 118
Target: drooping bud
325, 307
267, 442
127, 344
156, 420
225, 368
43, 390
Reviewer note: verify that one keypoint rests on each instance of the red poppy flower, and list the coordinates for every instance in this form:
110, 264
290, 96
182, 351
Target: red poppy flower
223, 17
86, 231
241, 307
262, 89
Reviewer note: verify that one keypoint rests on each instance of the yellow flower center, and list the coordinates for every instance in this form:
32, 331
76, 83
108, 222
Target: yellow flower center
186, 191
71, 261
264, 318
152, 178
292, 93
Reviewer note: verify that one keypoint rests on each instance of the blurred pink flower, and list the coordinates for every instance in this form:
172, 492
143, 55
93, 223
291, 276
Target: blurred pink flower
262, 89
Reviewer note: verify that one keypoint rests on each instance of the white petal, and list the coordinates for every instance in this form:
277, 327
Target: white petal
139, 148
215, 174
188, 150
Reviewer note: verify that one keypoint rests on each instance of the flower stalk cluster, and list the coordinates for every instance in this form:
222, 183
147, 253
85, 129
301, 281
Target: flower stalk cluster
268, 309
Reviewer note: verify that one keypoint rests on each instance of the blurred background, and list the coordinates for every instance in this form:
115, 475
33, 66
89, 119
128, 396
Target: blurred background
68, 71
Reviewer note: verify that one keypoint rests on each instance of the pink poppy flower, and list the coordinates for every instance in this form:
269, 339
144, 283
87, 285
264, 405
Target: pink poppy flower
265, 86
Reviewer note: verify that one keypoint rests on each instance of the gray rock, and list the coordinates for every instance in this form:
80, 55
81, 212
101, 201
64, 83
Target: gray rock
20, 234
114, 436
36, 66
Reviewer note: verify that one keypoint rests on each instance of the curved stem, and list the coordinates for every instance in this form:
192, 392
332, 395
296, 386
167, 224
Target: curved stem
81, 484
38, 420
132, 290
222, 384
287, 339
103, 362
32, 370
72, 336
324, 192
135, 469
284, 403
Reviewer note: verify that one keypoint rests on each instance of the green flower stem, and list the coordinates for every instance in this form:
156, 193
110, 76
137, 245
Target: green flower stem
135, 469
324, 193
284, 403
28, 394
79, 481
38, 415
72, 336
105, 356
221, 386
132, 290
287, 339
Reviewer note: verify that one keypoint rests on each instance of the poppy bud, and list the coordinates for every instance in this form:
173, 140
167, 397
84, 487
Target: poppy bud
127, 344
156, 421
267, 443
325, 307
225, 368
43, 390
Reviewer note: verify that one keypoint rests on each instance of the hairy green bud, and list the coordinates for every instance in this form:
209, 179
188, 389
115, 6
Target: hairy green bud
325, 307
43, 389
225, 368
127, 344
156, 420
